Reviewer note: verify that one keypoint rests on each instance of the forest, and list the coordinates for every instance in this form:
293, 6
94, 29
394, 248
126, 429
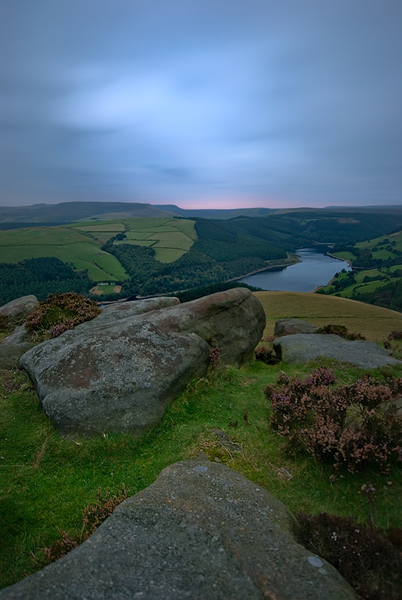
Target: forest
40, 277
220, 253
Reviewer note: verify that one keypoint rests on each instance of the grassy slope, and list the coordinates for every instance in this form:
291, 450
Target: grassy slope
170, 238
374, 322
378, 253
65, 243
81, 243
42, 474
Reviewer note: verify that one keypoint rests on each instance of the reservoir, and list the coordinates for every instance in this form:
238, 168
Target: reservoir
315, 269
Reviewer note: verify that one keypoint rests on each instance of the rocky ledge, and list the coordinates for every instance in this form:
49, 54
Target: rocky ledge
202, 532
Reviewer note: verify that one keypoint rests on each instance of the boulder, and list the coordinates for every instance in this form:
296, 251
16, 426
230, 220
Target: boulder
397, 403
123, 310
121, 375
13, 347
301, 348
292, 326
10, 354
202, 532
17, 336
19, 307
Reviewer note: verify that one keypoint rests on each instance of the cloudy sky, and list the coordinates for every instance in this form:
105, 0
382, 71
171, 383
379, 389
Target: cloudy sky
208, 103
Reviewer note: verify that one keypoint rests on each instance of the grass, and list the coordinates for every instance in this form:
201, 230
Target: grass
65, 243
381, 248
374, 322
46, 481
170, 238
80, 243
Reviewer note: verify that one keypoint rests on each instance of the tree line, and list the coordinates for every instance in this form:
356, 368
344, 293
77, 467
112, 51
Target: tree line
40, 277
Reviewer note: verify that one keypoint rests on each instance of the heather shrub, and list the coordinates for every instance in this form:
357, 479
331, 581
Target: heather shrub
348, 426
214, 357
395, 335
4, 322
93, 516
342, 331
59, 313
266, 355
365, 557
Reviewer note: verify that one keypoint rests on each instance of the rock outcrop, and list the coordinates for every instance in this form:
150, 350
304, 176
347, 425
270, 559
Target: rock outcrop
292, 326
19, 307
119, 374
13, 347
301, 348
123, 310
202, 532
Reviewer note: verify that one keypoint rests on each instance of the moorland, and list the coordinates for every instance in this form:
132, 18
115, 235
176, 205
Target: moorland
130, 250
47, 482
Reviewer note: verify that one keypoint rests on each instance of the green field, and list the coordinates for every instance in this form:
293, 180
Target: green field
46, 481
80, 243
67, 244
381, 249
170, 238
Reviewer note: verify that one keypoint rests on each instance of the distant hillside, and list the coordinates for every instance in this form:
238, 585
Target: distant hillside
389, 208
310, 222
377, 272
68, 212
210, 213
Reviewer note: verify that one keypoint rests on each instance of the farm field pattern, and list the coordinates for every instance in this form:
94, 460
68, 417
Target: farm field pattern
80, 243
380, 249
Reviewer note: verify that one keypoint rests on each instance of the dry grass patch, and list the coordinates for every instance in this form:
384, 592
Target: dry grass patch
373, 322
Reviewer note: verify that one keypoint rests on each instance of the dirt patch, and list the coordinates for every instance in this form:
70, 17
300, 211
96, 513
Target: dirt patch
95, 291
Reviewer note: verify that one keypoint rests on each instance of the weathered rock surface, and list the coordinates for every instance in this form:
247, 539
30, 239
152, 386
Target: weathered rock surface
19, 307
202, 532
301, 348
17, 336
10, 354
292, 326
13, 347
397, 403
123, 310
121, 375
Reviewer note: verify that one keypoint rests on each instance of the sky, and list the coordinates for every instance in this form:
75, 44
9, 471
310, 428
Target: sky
203, 104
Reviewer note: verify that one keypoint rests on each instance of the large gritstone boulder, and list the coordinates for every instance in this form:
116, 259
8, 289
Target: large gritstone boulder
202, 532
292, 326
19, 307
119, 375
123, 310
301, 348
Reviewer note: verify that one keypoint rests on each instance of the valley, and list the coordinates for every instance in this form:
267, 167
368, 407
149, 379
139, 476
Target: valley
135, 254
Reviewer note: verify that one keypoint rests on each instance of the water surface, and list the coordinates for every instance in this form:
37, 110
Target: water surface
315, 269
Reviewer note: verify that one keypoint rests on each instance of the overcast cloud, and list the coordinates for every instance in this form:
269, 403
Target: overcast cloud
203, 104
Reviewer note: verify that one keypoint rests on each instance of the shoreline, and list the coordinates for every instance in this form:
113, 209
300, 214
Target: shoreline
331, 280
343, 259
269, 268
282, 265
